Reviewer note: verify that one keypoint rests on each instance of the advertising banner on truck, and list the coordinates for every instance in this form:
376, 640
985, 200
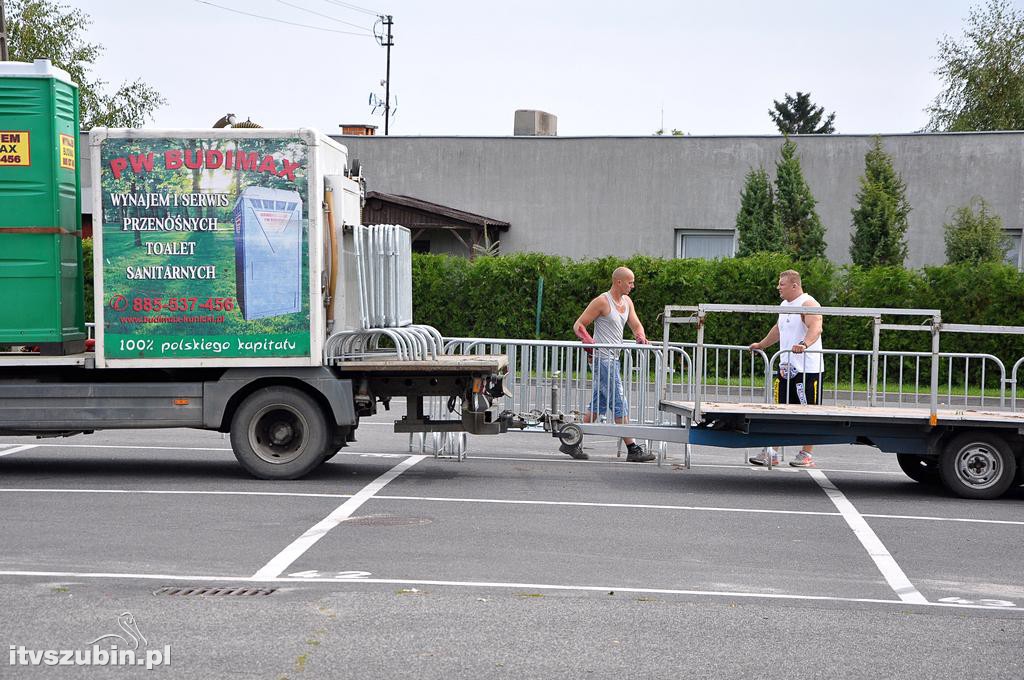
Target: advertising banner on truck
205, 247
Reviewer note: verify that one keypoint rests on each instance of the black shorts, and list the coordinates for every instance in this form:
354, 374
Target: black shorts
802, 388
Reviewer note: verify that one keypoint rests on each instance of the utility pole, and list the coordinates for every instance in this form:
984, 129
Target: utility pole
386, 43
3, 34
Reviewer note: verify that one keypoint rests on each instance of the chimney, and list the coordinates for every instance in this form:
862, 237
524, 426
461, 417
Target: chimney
362, 129
531, 123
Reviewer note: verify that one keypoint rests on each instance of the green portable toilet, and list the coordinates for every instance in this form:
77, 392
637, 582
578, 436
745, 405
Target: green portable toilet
41, 296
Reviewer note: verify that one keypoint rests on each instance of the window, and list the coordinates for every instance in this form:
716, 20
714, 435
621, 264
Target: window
706, 244
1014, 255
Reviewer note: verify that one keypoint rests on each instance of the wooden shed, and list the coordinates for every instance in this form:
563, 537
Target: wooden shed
435, 228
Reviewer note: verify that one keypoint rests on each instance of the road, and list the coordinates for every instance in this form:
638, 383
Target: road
515, 563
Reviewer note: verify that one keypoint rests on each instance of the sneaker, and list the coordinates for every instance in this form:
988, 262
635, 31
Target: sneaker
573, 451
803, 460
636, 454
762, 458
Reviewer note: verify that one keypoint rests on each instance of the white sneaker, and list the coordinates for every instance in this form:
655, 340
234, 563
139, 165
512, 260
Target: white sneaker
762, 458
803, 460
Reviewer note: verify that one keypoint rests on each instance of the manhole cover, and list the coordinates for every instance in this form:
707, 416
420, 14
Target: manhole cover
386, 521
207, 591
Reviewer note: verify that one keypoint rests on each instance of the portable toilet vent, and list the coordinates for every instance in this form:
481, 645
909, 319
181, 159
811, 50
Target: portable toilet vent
268, 252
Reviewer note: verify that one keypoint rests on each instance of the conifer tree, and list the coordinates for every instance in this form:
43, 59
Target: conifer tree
758, 229
880, 218
794, 205
975, 235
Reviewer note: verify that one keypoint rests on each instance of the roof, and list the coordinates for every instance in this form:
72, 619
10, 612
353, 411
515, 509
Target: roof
438, 209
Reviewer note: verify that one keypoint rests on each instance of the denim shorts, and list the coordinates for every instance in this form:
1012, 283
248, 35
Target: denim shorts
608, 393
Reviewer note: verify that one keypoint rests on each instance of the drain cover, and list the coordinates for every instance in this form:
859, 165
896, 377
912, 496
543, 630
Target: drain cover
386, 521
185, 590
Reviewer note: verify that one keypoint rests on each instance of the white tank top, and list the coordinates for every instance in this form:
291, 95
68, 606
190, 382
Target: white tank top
608, 328
792, 331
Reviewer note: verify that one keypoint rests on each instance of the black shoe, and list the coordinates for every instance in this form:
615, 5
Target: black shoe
636, 454
575, 451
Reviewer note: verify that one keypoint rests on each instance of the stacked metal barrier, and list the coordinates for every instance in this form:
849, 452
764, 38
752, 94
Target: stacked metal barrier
413, 343
384, 268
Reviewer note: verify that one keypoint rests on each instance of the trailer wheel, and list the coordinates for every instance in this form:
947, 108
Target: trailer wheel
977, 465
570, 435
924, 469
279, 433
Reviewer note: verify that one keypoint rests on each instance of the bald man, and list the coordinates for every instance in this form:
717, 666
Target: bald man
610, 312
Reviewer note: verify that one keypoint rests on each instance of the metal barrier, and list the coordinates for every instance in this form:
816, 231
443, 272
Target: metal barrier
556, 378
876, 377
411, 343
384, 271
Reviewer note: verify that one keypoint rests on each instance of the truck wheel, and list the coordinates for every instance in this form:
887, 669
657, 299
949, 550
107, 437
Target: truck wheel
337, 443
924, 469
977, 465
279, 433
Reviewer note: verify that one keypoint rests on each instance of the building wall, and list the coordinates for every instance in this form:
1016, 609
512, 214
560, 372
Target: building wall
597, 196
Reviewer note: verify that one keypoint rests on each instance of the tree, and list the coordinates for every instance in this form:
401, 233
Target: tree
983, 73
794, 205
758, 229
799, 116
975, 235
880, 218
41, 29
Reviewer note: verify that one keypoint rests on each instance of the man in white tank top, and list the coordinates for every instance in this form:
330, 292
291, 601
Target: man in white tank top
610, 312
801, 363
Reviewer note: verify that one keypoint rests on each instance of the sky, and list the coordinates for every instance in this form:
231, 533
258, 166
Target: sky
463, 68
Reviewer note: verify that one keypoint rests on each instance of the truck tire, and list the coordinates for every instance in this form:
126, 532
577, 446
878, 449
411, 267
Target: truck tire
924, 469
279, 433
977, 465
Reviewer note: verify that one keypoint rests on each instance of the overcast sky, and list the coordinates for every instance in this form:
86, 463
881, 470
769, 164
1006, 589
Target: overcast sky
463, 68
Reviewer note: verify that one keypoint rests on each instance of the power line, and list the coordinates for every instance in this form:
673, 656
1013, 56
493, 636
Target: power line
326, 16
279, 21
371, 12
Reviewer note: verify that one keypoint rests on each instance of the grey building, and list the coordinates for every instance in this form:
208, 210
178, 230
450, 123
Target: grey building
678, 196
588, 197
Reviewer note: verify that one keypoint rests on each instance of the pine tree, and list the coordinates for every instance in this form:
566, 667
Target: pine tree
975, 237
794, 205
880, 218
799, 116
758, 229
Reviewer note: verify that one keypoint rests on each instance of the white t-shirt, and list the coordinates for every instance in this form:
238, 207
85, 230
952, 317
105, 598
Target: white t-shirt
792, 331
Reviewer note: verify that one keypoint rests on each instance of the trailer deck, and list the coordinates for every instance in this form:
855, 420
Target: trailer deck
712, 412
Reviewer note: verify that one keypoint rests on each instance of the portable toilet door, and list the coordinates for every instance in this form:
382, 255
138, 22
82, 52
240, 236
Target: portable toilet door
268, 252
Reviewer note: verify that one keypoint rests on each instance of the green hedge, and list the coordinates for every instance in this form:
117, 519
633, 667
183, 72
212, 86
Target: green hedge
497, 296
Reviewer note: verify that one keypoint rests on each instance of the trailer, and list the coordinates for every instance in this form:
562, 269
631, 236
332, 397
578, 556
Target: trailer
949, 421
234, 289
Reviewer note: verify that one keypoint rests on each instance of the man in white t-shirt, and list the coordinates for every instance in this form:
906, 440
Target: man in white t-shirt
801, 364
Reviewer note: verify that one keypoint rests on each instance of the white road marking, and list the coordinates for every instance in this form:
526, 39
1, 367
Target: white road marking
16, 449
286, 557
891, 571
501, 584
511, 501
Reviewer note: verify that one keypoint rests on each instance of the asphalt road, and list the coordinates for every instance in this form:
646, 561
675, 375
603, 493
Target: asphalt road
516, 563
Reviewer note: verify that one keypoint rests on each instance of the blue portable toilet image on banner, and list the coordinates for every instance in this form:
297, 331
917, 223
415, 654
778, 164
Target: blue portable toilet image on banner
268, 252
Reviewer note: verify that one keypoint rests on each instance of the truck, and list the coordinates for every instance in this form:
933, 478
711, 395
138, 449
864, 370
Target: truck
233, 286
